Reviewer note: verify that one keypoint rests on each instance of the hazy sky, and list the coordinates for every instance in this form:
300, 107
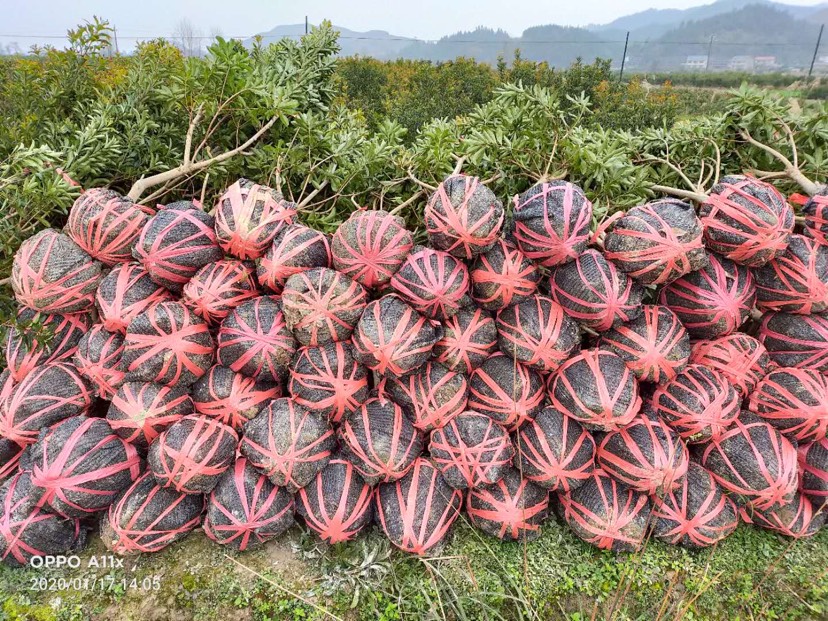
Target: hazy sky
426, 19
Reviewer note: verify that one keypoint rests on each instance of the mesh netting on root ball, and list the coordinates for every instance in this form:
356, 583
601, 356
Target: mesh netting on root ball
795, 401
513, 508
27, 531
417, 512
295, 249
10, 455
329, 380
597, 389
696, 514
813, 471
815, 212
255, 341
594, 293
506, 390
746, 220
231, 397
370, 247
289, 443
380, 441
646, 455
796, 340
216, 289
322, 306
796, 281
699, 404
140, 411
753, 461
337, 504
99, 359
537, 333
433, 282
471, 450
52, 274
106, 225
245, 509
80, 465
39, 338
47, 395
551, 222
739, 358
655, 346
468, 338
657, 242
554, 451
392, 338
798, 518
502, 276
431, 396
191, 454
148, 517
177, 242
167, 344
248, 217
124, 293
713, 301
463, 217
606, 513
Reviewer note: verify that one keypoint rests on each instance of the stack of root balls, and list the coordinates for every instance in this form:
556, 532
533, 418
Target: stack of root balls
238, 371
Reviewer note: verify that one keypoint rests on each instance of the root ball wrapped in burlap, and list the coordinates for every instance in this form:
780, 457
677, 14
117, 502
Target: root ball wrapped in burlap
191, 454
248, 217
796, 340
216, 289
746, 220
554, 451
795, 401
537, 333
699, 404
148, 518
337, 505
697, 514
502, 276
471, 450
296, 248
99, 358
392, 338
106, 225
231, 397
245, 509
177, 242
431, 396
511, 509
52, 274
140, 411
468, 338
797, 518
796, 281
126, 292
380, 441
168, 344
739, 358
551, 222
289, 443
594, 292
370, 246
506, 390
463, 217
416, 513
80, 465
657, 242
813, 471
433, 282
322, 306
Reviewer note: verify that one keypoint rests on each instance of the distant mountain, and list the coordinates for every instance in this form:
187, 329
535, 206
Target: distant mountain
660, 39
377, 43
657, 22
755, 30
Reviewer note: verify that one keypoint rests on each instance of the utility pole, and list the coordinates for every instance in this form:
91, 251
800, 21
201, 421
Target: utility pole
306, 24
624, 57
709, 54
816, 50
115, 37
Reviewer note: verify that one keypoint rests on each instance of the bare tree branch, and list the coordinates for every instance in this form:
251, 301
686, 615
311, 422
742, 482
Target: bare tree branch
188, 142
791, 170
144, 183
693, 196
410, 200
307, 199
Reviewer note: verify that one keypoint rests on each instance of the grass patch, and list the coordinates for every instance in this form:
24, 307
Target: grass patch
752, 575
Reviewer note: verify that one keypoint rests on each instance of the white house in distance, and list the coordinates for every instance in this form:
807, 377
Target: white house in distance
695, 62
